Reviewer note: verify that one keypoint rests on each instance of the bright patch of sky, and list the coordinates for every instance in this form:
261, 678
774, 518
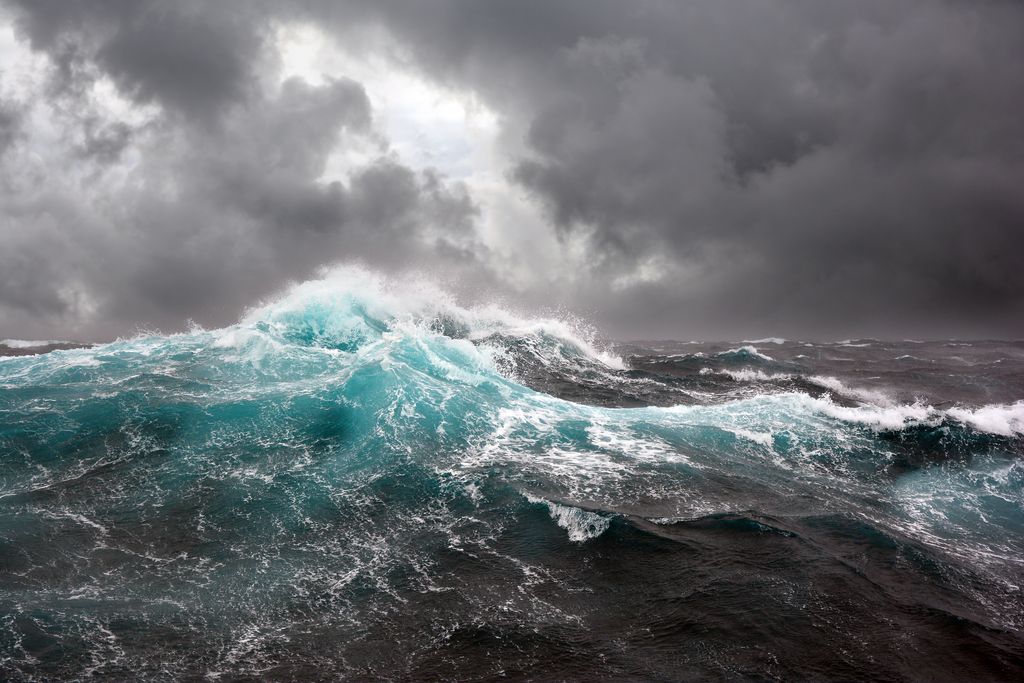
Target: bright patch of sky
427, 126
430, 126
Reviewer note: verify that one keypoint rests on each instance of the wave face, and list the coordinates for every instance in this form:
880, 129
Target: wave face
361, 480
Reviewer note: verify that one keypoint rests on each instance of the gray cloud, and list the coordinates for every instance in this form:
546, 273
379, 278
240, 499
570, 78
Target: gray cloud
828, 166
786, 167
10, 124
191, 57
222, 200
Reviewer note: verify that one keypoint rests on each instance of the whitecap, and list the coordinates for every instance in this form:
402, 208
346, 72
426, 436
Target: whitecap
858, 394
1000, 418
750, 350
31, 343
748, 374
581, 525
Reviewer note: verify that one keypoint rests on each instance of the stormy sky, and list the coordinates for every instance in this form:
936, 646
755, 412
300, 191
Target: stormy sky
697, 170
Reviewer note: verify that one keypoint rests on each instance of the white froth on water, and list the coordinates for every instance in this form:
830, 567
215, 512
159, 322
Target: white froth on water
31, 343
859, 394
347, 302
1000, 419
765, 439
580, 524
748, 374
752, 350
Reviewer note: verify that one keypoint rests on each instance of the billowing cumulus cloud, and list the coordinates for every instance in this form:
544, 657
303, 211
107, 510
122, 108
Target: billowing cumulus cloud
693, 169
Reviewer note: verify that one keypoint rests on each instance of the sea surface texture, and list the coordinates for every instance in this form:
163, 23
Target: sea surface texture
365, 481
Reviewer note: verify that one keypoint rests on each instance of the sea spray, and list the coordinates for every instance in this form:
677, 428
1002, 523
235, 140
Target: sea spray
337, 482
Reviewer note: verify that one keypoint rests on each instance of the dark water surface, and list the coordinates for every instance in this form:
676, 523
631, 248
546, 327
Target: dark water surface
360, 483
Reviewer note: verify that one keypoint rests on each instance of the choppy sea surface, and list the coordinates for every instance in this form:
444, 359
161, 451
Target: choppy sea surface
364, 481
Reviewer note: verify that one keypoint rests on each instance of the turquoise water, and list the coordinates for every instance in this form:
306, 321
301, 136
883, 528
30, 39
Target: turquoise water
362, 479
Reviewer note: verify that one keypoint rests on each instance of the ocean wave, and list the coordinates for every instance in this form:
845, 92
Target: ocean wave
581, 525
859, 394
856, 343
828, 383
748, 374
358, 446
350, 307
791, 408
743, 352
31, 343
997, 419
746, 353
1001, 419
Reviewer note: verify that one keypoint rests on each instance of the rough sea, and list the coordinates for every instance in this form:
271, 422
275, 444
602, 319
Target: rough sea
365, 481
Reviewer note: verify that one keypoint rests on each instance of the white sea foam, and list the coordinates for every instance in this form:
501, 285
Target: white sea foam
346, 302
763, 438
858, 394
84, 361
748, 374
30, 343
698, 354
883, 418
580, 524
1001, 419
610, 436
752, 350
873, 396
766, 340
784, 410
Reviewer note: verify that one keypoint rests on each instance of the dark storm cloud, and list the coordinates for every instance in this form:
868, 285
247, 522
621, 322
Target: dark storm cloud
794, 167
10, 122
191, 57
223, 203
827, 165
104, 142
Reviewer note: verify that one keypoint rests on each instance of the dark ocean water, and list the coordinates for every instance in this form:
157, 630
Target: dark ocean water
358, 482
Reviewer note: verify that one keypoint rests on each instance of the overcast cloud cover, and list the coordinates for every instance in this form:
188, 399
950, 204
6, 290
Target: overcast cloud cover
704, 169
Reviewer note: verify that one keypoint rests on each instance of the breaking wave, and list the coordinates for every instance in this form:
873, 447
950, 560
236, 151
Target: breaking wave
353, 449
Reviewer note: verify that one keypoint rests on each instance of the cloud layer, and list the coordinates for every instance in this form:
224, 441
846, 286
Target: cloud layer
672, 169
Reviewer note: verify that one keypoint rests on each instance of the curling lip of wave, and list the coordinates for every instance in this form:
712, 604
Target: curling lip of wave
745, 350
327, 313
581, 525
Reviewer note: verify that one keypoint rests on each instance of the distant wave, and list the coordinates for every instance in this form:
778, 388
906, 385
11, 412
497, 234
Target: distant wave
831, 384
748, 374
743, 352
31, 343
997, 419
